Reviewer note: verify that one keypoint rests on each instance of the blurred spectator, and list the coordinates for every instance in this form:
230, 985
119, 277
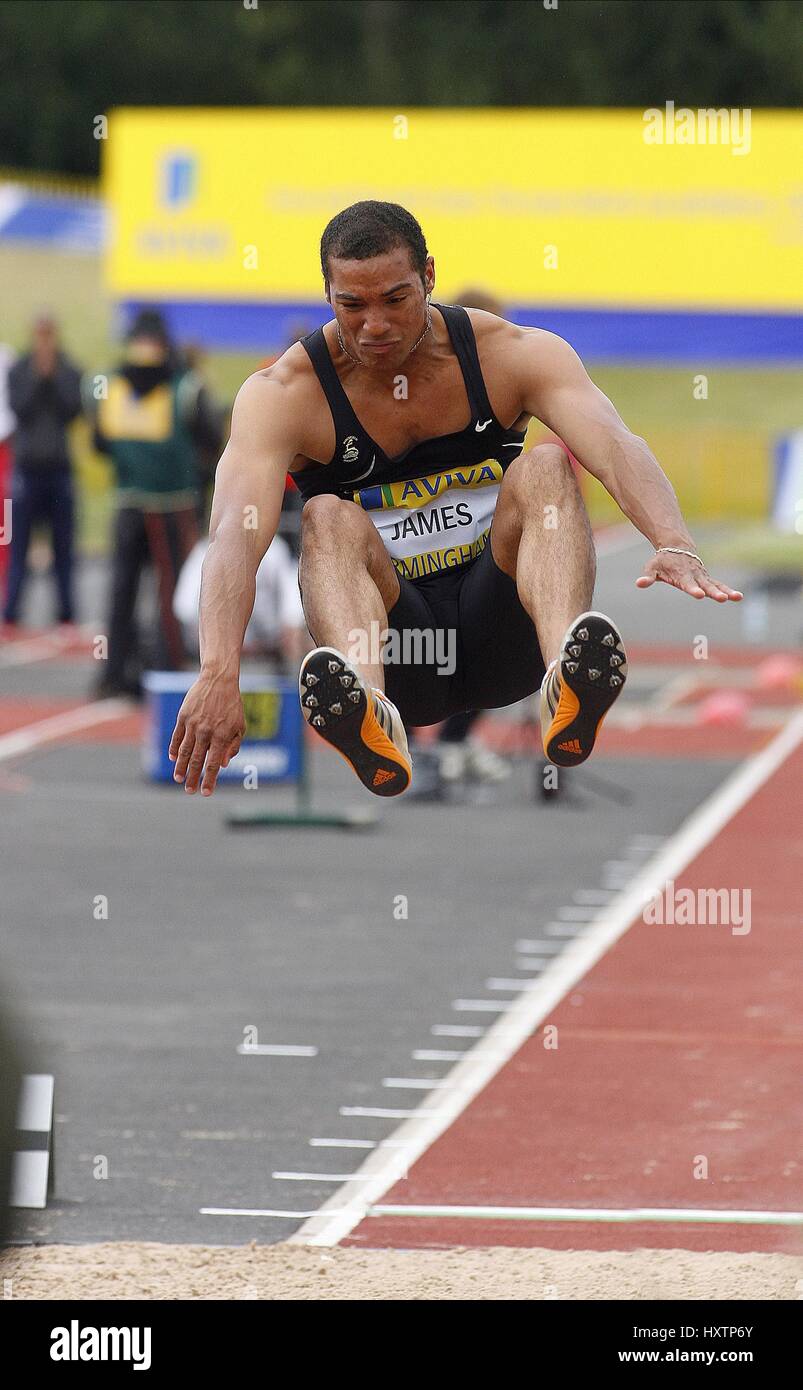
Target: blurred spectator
277, 627
148, 420
44, 393
207, 429
7, 425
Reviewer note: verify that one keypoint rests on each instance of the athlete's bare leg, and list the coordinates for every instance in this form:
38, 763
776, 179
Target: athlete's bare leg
347, 578
541, 537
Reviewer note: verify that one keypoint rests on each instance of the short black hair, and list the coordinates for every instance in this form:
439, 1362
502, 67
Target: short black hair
371, 228
149, 323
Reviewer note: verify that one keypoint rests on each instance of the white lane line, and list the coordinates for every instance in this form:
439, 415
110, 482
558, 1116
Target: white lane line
479, 1006
618, 873
343, 1143
672, 692
59, 726
603, 1214
578, 912
535, 964
30, 649
319, 1177
564, 929
506, 986
597, 896
342, 1213
458, 1056
457, 1030
276, 1050
377, 1112
257, 1211
413, 1083
431, 1054
648, 841
534, 944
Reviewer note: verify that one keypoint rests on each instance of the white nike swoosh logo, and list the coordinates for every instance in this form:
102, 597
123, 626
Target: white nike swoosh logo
360, 476
512, 446
480, 427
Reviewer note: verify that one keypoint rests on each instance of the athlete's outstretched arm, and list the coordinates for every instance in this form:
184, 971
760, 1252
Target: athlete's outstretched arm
557, 390
249, 485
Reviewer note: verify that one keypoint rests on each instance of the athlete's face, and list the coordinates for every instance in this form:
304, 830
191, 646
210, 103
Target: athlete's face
380, 305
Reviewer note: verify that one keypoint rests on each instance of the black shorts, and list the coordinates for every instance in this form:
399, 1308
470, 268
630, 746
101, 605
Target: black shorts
478, 625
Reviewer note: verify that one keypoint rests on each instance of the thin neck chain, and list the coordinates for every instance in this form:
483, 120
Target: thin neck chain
412, 349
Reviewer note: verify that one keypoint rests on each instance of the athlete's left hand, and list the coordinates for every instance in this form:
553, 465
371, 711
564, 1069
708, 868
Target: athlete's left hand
684, 573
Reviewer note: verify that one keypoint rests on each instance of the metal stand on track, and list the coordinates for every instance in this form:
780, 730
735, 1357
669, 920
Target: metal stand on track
305, 813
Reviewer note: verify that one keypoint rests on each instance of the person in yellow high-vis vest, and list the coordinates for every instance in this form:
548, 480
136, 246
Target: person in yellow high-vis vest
149, 420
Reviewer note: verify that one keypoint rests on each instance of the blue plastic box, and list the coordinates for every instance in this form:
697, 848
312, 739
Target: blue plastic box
273, 743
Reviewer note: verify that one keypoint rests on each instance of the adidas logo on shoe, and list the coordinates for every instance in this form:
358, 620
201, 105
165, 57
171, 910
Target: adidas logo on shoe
361, 723
573, 746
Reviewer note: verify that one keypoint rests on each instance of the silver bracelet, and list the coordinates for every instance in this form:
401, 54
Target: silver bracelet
676, 550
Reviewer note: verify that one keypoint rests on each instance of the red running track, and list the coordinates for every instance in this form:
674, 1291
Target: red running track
682, 1042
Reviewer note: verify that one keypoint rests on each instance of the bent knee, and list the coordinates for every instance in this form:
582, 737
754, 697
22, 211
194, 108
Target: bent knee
545, 465
327, 518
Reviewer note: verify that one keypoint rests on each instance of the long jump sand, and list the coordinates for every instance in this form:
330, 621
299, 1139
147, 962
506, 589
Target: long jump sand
147, 1270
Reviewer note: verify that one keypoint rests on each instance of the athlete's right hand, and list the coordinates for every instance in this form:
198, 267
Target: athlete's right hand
210, 727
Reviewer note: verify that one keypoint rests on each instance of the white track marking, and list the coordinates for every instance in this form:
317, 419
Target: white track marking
342, 1143
276, 1050
564, 929
671, 693
319, 1177
255, 1211
479, 1006
28, 650
25, 653
412, 1083
506, 986
59, 726
377, 1112
341, 1214
579, 912
457, 1030
458, 1056
618, 873
524, 945
603, 1214
431, 1054
597, 896
532, 963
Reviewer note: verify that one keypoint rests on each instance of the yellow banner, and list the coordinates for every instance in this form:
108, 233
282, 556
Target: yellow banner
688, 210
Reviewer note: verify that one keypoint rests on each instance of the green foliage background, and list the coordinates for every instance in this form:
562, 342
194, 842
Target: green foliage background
62, 62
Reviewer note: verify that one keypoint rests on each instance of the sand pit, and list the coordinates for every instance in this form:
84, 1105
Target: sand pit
145, 1270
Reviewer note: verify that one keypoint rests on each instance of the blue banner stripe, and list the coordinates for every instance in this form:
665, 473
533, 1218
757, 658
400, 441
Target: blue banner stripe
615, 335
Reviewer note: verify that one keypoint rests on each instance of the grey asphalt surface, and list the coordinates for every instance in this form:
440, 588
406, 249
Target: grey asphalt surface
211, 932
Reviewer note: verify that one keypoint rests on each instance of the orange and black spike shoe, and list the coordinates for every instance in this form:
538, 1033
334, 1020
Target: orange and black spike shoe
580, 687
362, 724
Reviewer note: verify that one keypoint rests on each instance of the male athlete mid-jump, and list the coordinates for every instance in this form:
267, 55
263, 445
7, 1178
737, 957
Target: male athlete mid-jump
403, 424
